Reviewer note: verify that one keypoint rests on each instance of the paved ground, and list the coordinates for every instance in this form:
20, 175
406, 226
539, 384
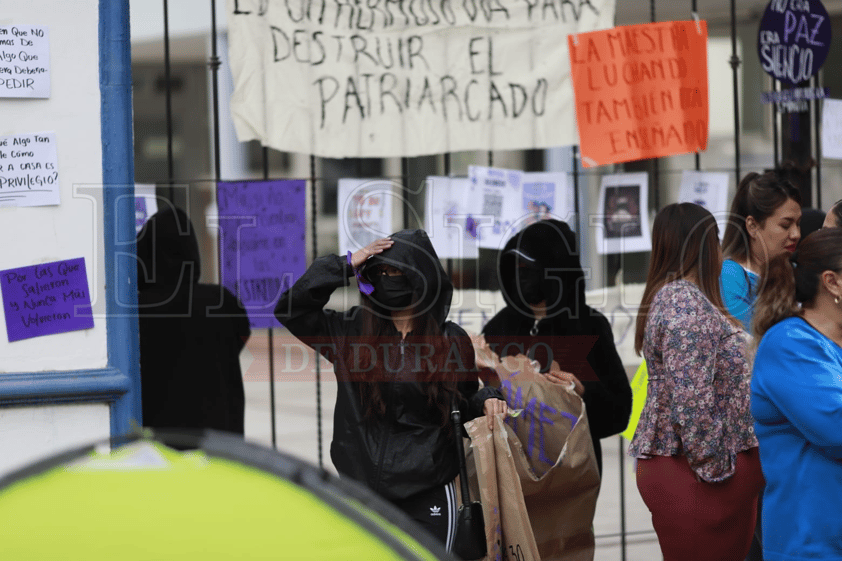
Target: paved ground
296, 434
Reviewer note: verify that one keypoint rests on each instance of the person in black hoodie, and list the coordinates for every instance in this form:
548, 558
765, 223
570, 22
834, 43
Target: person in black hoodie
191, 334
544, 288
400, 367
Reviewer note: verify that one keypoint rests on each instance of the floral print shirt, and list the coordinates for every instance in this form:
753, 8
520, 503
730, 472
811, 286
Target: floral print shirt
698, 399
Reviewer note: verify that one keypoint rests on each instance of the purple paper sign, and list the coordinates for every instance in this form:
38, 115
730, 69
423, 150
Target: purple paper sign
141, 213
262, 229
46, 299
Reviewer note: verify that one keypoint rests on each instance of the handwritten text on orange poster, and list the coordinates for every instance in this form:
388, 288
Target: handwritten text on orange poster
641, 91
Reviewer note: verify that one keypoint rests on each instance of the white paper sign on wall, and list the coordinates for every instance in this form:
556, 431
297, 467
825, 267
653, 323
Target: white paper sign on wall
622, 225
709, 190
448, 217
365, 212
497, 197
546, 195
24, 61
832, 128
29, 170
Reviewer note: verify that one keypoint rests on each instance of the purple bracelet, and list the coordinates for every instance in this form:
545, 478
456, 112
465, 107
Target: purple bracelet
365, 287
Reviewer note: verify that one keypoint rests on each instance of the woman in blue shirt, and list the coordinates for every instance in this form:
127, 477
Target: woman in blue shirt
763, 223
796, 396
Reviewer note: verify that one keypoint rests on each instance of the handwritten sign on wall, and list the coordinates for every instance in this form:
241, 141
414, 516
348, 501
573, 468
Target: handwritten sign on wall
383, 78
641, 91
365, 211
24, 61
46, 299
262, 229
29, 170
794, 39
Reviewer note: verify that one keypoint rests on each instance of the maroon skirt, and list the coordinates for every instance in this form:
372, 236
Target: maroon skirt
697, 520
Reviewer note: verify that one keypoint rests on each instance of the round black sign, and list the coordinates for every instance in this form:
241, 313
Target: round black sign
794, 39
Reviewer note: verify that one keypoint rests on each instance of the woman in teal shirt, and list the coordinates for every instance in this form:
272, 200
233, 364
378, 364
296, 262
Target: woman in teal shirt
764, 222
796, 400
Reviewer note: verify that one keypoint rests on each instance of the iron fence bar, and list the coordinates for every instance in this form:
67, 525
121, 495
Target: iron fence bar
775, 140
168, 103
695, 12
313, 210
576, 200
271, 337
427, 186
818, 124
404, 186
214, 66
735, 64
622, 501
490, 159
635, 533
656, 177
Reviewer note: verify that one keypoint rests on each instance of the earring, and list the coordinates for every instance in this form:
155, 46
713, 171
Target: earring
836, 300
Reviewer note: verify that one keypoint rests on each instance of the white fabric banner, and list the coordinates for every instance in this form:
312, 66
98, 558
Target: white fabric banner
387, 78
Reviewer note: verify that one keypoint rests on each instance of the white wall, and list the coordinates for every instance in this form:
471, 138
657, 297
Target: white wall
32, 433
72, 229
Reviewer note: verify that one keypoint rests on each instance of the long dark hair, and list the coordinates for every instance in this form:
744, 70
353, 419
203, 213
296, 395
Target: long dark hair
796, 278
437, 382
685, 242
758, 196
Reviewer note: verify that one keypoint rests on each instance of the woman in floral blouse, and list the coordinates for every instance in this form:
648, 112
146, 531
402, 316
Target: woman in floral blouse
698, 469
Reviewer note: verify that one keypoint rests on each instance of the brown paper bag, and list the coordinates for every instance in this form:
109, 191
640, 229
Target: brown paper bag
535, 473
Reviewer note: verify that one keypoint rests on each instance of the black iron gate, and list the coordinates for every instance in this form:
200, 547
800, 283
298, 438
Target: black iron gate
795, 138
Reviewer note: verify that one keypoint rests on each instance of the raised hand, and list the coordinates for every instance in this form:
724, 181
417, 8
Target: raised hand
494, 406
377, 246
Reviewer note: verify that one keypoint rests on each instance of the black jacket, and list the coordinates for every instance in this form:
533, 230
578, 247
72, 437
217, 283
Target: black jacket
191, 334
551, 243
407, 449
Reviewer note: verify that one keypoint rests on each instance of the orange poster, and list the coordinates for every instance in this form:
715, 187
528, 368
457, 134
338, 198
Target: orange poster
641, 91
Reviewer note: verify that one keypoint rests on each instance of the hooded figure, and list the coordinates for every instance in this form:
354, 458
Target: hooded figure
391, 426
191, 334
540, 275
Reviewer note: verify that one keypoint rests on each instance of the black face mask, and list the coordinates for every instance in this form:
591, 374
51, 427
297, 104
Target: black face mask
393, 293
530, 285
